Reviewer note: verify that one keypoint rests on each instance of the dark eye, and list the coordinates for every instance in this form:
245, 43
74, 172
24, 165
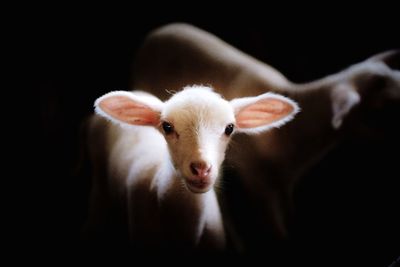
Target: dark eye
167, 127
229, 129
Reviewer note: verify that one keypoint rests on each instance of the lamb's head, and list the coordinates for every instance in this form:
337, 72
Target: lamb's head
373, 86
197, 124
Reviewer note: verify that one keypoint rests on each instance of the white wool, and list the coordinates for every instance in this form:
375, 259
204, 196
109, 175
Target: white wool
148, 160
282, 155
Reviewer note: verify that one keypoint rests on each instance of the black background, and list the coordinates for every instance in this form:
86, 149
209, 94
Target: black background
346, 207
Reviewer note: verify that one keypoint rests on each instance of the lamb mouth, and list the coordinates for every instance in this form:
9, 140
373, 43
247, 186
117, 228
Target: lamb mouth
198, 186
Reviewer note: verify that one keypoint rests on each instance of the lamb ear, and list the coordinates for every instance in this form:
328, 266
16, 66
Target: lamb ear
263, 112
344, 98
130, 108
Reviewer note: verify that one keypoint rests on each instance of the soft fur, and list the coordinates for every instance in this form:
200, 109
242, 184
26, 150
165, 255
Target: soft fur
169, 203
270, 164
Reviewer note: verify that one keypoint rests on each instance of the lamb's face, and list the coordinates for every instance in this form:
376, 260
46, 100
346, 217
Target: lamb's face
373, 86
197, 124
197, 127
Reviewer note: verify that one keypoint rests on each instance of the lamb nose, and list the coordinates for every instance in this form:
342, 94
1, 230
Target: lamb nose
200, 169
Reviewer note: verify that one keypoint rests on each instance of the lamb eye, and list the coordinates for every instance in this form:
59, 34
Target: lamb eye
167, 127
229, 129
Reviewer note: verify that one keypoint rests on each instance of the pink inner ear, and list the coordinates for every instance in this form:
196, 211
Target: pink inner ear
263, 112
128, 110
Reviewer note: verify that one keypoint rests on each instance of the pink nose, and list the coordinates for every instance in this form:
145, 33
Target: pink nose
200, 169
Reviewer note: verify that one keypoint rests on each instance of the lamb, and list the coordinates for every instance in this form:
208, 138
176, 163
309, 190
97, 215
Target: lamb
156, 163
271, 164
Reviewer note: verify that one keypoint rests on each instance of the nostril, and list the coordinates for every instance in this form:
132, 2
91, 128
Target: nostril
194, 169
201, 169
207, 170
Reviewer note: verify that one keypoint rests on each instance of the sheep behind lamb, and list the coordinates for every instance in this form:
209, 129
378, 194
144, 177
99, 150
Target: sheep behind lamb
155, 163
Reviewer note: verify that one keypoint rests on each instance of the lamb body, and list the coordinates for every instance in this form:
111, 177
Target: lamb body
156, 163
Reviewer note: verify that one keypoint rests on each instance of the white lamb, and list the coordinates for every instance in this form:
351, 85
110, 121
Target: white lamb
160, 168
